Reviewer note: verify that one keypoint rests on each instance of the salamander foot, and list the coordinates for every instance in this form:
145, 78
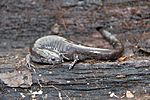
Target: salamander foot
76, 59
28, 62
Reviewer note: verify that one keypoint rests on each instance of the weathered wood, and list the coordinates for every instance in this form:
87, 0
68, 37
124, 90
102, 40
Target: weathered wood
24, 21
90, 79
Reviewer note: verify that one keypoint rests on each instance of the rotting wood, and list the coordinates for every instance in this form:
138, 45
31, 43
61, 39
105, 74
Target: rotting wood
22, 21
102, 78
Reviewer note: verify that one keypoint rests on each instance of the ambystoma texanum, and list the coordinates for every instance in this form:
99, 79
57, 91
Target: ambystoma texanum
55, 49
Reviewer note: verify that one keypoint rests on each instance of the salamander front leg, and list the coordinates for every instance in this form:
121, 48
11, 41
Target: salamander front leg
28, 62
76, 59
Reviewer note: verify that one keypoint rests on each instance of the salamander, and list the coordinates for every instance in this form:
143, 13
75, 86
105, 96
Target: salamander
54, 49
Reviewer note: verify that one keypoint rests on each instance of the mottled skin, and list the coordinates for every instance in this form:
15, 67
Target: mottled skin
55, 49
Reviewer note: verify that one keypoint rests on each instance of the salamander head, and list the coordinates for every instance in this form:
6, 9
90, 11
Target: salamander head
45, 56
53, 58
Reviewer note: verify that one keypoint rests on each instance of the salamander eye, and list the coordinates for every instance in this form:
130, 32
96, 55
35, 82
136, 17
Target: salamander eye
53, 59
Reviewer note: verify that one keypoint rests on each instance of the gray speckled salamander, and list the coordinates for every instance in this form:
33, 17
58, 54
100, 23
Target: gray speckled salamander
55, 49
